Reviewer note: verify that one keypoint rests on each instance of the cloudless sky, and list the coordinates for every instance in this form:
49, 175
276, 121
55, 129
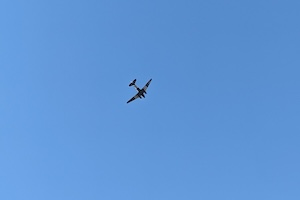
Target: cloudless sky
221, 119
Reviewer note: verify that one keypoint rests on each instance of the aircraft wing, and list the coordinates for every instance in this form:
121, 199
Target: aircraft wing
147, 85
133, 98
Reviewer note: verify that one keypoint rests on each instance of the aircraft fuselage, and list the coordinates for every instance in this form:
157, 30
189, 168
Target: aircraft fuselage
141, 92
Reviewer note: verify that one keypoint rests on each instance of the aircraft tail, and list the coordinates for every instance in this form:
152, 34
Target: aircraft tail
132, 83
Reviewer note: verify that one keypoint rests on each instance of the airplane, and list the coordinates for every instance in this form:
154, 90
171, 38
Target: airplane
141, 92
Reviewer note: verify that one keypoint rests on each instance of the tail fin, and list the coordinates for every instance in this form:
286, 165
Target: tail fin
132, 83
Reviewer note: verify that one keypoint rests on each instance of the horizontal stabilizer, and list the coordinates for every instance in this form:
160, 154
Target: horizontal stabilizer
132, 83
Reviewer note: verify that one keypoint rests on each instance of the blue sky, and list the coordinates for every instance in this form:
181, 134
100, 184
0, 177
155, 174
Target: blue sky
220, 120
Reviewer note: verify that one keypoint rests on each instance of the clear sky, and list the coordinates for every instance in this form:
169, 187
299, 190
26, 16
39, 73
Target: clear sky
221, 119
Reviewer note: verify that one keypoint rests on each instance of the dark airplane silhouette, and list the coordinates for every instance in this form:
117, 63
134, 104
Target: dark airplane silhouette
141, 92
